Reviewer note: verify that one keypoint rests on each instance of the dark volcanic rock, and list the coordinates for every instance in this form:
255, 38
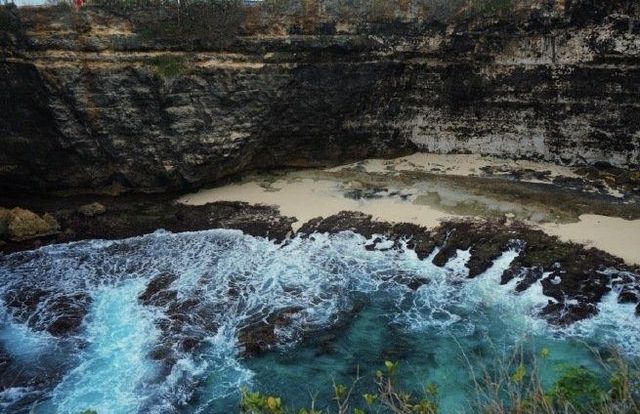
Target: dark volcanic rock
485, 241
255, 220
128, 217
572, 275
526, 277
68, 313
57, 312
186, 321
575, 277
418, 238
93, 209
628, 295
565, 314
261, 336
156, 294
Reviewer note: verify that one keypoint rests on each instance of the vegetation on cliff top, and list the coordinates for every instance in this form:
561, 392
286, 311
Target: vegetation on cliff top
217, 23
9, 21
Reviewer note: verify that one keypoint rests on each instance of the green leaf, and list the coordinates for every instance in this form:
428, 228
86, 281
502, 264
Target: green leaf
544, 353
370, 398
431, 389
577, 386
391, 366
340, 391
519, 374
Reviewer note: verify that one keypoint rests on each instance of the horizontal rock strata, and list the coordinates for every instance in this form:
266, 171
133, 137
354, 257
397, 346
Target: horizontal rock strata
90, 104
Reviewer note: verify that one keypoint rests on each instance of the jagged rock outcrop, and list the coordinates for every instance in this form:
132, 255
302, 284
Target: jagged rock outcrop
574, 278
86, 103
91, 210
19, 224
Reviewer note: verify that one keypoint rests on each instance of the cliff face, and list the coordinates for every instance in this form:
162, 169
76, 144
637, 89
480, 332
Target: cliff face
86, 103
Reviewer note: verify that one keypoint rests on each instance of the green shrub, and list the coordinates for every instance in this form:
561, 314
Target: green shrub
386, 397
214, 22
257, 403
578, 387
441, 10
169, 65
513, 388
9, 20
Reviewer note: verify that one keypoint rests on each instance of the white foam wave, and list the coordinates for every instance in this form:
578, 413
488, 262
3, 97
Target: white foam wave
114, 371
237, 281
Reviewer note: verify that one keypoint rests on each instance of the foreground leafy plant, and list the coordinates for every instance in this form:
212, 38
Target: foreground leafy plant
577, 387
515, 388
257, 403
385, 398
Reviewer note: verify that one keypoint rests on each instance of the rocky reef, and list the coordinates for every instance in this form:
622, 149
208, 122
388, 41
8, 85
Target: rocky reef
574, 277
89, 103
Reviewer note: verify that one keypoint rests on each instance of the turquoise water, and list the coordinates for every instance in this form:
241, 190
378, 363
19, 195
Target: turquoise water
354, 310
114, 365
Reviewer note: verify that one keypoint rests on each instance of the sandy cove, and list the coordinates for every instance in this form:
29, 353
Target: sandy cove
425, 189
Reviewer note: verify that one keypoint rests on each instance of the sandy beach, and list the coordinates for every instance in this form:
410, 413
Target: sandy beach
426, 201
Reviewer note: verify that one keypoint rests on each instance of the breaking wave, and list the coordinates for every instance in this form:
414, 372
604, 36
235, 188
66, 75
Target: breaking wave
183, 351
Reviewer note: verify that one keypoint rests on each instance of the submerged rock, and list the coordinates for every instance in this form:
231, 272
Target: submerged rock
260, 336
5, 359
628, 295
185, 323
157, 289
53, 311
68, 312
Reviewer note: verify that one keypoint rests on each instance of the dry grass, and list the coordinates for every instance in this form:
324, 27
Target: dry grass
512, 387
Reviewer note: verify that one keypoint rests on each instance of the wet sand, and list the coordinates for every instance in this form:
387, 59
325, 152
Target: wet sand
455, 164
307, 199
617, 236
425, 201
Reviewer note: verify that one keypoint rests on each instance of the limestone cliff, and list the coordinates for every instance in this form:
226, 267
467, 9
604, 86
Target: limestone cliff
88, 103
